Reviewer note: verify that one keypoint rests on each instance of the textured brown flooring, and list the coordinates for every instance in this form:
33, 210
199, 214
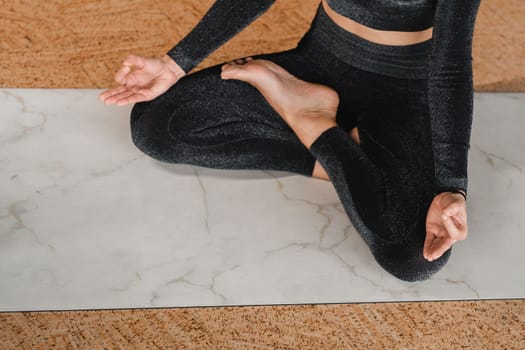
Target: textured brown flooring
80, 44
497, 324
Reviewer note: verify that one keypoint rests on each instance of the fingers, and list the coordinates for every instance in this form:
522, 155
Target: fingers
133, 81
113, 95
428, 242
444, 228
136, 97
455, 232
452, 209
455, 220
123, 98
133, 97
121, 74
122, 95
436, 246
129, 62
136, 61
107, 96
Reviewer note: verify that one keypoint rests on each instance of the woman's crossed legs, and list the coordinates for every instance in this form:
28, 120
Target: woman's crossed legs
255, 116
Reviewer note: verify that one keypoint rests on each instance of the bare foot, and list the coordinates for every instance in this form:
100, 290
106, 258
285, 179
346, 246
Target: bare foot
308, 108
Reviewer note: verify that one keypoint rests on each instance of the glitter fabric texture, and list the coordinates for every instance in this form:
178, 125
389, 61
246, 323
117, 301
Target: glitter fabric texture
412, 105
398, 15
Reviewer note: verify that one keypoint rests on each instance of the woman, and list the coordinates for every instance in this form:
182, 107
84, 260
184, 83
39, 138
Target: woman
377, 97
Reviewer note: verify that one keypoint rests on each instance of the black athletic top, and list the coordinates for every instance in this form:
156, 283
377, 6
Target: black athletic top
450, 69
398, 15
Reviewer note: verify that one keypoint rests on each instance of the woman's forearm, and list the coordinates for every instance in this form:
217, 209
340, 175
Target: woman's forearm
221, 22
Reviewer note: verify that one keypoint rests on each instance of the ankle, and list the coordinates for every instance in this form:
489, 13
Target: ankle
308, 133
319, 171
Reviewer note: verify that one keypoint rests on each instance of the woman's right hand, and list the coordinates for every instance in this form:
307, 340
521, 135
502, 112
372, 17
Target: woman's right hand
142, 79
446, 224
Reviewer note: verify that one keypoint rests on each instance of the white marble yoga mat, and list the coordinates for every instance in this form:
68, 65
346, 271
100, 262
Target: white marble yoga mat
87, 221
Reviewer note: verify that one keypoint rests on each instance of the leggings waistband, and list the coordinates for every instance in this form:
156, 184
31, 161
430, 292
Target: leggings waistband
400, 61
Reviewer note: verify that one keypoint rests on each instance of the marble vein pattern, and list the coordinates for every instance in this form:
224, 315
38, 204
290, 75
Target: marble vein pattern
87, 221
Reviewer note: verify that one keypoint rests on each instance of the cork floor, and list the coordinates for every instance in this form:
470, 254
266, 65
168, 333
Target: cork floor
43, 45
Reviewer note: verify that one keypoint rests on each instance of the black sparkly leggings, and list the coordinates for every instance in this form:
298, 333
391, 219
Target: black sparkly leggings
384, 182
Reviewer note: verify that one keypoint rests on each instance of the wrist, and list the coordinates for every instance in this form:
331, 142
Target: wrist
173, 67
455, 191
461, 192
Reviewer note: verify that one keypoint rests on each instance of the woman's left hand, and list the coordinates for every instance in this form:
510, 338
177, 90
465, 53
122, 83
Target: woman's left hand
446, 224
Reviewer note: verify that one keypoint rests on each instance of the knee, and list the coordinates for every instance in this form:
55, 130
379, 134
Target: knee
149, 131
140, 132
406, 262
137, 111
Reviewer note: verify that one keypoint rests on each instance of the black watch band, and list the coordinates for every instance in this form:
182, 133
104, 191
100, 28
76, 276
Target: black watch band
456, 190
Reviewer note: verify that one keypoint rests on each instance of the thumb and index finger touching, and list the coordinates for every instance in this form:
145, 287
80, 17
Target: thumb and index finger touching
134, 60
454, 220
123, 78
435, 246
129, 62
437, 243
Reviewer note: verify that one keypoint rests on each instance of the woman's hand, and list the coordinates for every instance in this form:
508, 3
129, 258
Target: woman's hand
446, 223
142, 79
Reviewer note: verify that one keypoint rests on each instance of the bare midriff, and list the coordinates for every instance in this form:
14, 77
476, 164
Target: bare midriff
384, 37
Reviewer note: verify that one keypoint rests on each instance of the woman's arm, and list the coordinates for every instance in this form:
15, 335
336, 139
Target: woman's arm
450, 91
221, 22
144, 79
